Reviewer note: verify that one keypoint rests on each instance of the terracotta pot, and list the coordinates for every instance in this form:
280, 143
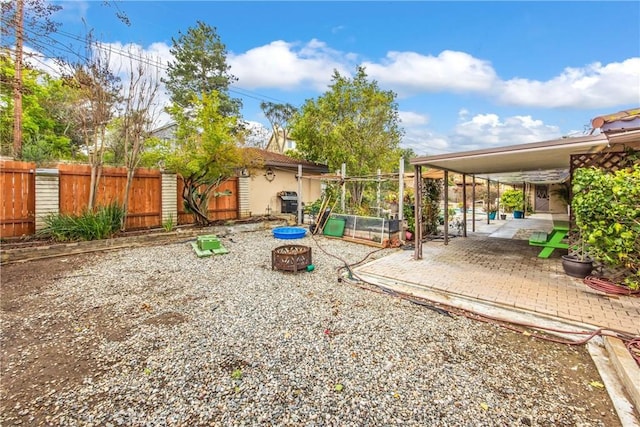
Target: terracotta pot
575, 267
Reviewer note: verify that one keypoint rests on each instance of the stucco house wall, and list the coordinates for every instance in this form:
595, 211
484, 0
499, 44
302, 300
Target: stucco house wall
277, 173
264, 193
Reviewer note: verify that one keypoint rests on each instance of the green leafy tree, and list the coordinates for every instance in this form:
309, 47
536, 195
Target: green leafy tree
200, 67
43, 135
279, 116
204, 153
355, 123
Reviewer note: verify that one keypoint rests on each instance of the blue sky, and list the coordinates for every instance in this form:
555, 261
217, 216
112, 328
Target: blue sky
468, 75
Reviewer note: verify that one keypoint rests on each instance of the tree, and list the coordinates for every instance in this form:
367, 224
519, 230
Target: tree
204, 153
139, 115
200, 67
98, 91
16, 16
279, 116
355, 123
43, 136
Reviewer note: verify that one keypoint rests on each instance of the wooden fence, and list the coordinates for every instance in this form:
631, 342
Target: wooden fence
18, 197
219, 208
145, 197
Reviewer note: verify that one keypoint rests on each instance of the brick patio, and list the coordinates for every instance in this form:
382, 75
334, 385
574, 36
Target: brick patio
505, 272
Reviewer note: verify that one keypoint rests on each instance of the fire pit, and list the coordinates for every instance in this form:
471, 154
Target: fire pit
291, 258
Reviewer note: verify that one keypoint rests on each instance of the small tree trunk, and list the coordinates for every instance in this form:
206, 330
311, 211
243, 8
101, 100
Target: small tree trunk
125, 201
195, 204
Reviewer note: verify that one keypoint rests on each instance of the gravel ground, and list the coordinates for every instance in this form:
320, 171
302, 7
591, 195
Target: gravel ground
155, 336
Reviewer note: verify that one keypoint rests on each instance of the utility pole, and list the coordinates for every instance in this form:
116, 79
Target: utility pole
17, 84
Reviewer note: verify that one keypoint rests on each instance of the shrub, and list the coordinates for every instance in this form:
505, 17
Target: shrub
90, 225
512, 200
607, 214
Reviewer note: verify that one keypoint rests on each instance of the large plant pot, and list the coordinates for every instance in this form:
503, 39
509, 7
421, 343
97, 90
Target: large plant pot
575, 267
492, 215
518, 214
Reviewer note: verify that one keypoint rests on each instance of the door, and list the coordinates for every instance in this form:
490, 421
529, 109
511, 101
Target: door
542, 198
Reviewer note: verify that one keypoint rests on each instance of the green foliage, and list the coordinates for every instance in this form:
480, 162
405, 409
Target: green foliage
355, 123
431, 195
431, 216
607, 215
512, 200
563, 192
236, 374
43, 135
200, 67
204, 153
45, 149
91, 225
169, 224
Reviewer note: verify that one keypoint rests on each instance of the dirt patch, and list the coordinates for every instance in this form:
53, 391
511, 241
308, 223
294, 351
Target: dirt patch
166, 319
43, 346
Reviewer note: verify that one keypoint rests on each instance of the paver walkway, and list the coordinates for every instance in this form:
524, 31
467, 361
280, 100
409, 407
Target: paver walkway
507, 272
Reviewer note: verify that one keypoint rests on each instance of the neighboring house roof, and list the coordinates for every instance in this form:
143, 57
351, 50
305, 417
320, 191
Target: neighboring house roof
282, 161
165, 132
621, 121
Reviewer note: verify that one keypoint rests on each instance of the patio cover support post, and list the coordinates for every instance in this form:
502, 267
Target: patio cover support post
378, 205
300, 218
417, 212
401, 192
488, 208
524, 199
343, 195
473, 201
499, 202
464, 205
446, 207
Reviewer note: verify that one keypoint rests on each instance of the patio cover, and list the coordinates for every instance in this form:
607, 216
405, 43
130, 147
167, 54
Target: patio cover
545, 162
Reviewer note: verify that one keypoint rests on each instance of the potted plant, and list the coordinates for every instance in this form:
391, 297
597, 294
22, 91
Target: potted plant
578, 263
513, 201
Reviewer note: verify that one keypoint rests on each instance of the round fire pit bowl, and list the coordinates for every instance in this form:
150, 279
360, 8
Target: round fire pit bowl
291, 258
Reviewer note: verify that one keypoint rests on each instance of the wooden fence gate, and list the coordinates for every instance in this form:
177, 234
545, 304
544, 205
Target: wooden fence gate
18, 205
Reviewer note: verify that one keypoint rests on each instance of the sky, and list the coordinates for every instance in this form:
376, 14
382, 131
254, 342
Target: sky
468, 75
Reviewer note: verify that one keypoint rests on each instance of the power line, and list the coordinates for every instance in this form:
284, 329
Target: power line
154, 63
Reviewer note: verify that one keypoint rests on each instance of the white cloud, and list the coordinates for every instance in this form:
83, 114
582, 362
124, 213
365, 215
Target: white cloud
410, 72
489, 130
593, 86
409, 118
72, 11
288, 66
478, 132
425, 142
